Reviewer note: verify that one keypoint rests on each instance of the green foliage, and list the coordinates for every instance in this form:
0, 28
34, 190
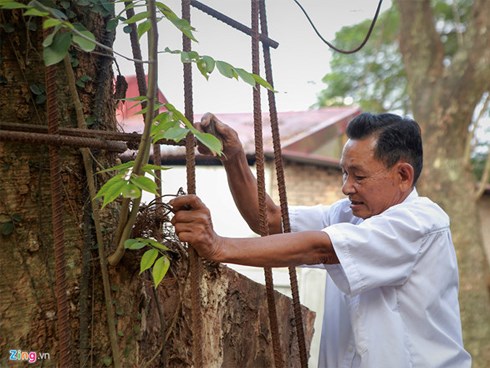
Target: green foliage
374, 77
154, 259
126, 183
206, 65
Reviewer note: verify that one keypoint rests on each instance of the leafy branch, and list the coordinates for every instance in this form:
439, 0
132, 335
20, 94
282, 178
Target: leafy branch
131, 179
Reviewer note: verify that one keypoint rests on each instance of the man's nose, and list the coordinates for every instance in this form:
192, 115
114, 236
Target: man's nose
347, 186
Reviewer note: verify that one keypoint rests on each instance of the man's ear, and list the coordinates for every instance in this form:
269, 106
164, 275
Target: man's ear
405, 173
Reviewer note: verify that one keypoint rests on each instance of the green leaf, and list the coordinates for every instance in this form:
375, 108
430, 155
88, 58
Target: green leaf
210, 141
58, 49
155, 244
16, 217
131, 191
143, 27
176, 133
263, 82
188, 56
119, 167
114, 191
137, 17
12, 5
86, 43
32, 12
149, 168
112, 24
49, 38
144, 183
246, 76
181, 24
148, 259
7, 228
160, 270
107, 361
226, 69
210, 63
112, 181
134, 244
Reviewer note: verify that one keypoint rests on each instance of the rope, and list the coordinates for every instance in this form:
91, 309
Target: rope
195, 264
63, 322
371, 27
276, 139
259, 156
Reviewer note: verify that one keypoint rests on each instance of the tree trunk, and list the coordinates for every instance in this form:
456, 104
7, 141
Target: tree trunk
153, 328
444, 96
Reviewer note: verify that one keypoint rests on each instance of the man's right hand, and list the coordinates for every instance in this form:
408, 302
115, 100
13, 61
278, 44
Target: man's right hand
227, 135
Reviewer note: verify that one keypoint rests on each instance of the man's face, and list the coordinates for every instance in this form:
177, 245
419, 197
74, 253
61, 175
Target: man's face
371, 187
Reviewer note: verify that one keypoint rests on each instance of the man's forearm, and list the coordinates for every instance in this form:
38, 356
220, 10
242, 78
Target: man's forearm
243, 187
280, 250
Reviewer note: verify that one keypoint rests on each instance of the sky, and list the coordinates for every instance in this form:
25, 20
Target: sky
298, 64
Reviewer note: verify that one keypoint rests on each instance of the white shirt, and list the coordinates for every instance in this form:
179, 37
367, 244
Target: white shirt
392, 302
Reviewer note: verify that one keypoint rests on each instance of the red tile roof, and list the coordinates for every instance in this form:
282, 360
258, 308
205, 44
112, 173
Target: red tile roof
299, 130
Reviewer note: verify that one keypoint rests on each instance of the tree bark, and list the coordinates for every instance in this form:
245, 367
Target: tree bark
444, 94
153, 328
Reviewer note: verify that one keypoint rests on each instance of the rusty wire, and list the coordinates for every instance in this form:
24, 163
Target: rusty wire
276, 139
63, 317
260, 160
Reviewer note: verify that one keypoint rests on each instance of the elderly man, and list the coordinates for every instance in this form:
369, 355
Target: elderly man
391, 298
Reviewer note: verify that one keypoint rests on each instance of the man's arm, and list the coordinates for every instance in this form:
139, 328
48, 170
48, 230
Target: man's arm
242, 183
193, 224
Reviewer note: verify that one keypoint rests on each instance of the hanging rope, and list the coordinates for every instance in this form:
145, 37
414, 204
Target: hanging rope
373, 22
276, 139
259, 156
195, 263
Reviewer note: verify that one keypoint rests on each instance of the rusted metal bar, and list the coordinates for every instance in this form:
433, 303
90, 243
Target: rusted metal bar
281, 184
89, 133
63, 312
62, 140
233, 23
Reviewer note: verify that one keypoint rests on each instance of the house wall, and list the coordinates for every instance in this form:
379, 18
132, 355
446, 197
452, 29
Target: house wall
309, 184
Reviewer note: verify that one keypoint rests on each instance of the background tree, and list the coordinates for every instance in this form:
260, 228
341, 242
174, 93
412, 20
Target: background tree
431, 59
128, 323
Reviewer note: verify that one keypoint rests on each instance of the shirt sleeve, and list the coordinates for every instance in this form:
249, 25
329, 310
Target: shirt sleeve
304, 218
381, 251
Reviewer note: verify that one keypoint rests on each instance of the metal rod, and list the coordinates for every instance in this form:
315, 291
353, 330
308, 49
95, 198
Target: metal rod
233, 23
61, 140
88, 133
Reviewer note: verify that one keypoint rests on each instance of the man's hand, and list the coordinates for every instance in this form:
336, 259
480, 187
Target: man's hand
192, 222
229, 137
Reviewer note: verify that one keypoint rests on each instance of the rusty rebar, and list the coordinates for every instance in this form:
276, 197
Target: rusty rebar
63, 317
281, 184
58, 140
260, 166
87, 133
194, 259
232, 23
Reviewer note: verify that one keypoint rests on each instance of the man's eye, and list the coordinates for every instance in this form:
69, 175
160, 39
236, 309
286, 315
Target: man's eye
359, 178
